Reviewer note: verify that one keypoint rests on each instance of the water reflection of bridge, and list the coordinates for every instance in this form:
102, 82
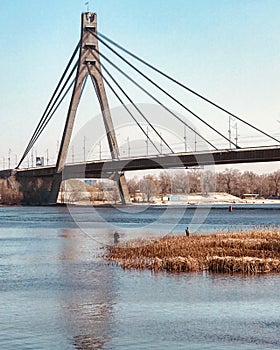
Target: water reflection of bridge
90, 289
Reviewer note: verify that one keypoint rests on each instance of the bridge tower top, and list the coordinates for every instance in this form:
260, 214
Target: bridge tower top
88, 65
88, 23
89, 20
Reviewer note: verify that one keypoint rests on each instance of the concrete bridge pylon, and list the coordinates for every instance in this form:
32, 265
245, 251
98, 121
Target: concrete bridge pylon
88, 65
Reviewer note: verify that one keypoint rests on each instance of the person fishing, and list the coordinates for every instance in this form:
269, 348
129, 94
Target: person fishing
116, 237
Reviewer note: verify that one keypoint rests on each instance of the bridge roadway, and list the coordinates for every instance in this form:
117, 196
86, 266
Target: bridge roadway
97, 169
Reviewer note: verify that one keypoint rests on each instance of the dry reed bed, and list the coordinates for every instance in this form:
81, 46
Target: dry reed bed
247, 253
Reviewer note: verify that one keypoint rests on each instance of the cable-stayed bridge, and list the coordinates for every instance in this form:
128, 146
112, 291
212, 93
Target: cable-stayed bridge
41, 185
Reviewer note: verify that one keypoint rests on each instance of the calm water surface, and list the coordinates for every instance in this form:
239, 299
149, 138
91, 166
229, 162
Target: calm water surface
58, 293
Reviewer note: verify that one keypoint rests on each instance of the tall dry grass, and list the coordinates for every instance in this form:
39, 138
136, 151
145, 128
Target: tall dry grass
249, 253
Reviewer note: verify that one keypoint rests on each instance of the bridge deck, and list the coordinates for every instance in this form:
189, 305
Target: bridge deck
97, 169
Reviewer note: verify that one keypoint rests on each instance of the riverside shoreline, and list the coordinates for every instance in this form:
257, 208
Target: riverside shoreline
252, 252
218, 198
193, 199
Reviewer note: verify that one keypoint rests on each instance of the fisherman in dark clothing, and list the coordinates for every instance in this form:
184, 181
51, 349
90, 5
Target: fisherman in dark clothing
187, 232
116, 237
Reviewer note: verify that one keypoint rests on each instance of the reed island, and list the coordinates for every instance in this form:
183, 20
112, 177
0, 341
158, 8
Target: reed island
252, 252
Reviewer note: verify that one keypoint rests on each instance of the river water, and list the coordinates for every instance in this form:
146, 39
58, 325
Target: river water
57, 292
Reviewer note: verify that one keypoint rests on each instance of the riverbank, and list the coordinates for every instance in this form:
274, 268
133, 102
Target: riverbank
213, 198
192, 199
247, 253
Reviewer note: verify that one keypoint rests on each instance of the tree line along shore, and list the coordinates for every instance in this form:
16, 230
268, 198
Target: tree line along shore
168, 187
160, 187
252, 252
230, 181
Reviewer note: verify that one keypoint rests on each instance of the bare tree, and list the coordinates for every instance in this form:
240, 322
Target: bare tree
229, 180
164, 183
249, 182
100, 191
208, 182
133, 186
194, 181
275, 182
92, 193
180, 182
112, 193
74, 189
264, 185
148, 187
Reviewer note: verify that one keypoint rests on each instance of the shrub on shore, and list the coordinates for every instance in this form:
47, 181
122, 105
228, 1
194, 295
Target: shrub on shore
10, 193
248, 253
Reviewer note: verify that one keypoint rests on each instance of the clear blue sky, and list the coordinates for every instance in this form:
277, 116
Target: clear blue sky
228, 50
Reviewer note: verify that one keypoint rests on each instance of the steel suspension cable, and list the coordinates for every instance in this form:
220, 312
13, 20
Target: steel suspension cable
185, 87
155, 99
51, 115
47, 117
126, 108
50, 101
44, 121
169, 95
120, 99
131, 101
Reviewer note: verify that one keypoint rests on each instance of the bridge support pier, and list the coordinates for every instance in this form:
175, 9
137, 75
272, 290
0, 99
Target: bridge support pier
123, 189
32, 190
55, 187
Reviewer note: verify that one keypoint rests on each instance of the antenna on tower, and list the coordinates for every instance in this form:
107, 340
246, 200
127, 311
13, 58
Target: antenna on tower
87, 5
